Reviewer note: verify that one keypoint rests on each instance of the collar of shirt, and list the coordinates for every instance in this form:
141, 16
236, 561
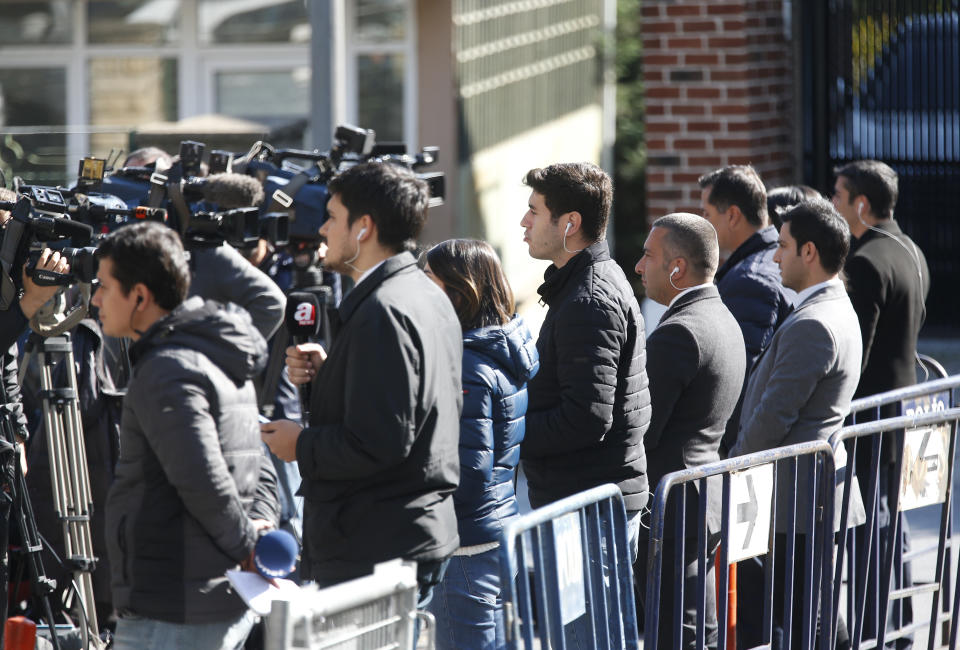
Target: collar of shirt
809, 291
366, 273
688, 290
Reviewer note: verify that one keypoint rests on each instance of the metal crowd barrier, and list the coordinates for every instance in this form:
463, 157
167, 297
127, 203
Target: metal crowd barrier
749, 516
582, 575
909, 464
376, 611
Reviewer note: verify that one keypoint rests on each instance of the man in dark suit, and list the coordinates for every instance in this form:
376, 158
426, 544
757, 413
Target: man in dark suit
379, 459
888, 282
887, 276
734, 201
695, 362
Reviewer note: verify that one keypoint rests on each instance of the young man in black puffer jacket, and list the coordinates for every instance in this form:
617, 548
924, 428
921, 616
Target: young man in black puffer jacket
589, 404
192, 485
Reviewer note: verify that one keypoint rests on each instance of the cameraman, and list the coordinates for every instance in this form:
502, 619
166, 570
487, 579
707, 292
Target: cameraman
14, 321
219, 272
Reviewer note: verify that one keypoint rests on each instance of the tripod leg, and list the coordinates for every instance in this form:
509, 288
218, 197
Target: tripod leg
41, 586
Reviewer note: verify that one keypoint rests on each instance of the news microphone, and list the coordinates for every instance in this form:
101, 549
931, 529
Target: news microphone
275, 555
227, 190
303, 321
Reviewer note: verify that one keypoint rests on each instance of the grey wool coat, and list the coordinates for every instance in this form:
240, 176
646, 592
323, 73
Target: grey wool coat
696, 362
801, 386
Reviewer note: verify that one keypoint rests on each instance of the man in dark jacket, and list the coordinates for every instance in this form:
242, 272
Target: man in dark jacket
589, 404
380, 459
887, 276
887, 281
192, 485
696, 364
734, 201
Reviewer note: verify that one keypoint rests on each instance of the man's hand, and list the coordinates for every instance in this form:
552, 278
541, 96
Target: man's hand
35, 296
281, 436
303, 361
248, 564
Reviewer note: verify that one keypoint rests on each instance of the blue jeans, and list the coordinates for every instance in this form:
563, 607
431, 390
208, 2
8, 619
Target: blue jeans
467, 604
138, 633
577, 632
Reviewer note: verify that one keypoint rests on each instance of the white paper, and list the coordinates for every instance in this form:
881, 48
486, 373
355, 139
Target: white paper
258, 593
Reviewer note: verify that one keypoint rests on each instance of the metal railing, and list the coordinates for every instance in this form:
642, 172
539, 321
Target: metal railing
582, 576
376, 611
756, 515
920, 475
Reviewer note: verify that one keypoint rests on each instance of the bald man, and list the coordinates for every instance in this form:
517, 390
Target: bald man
696, 362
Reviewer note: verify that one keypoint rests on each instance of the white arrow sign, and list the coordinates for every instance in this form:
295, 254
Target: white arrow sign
751, 498
923, 480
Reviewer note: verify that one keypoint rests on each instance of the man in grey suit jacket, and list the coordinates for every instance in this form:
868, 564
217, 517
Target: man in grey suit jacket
696, 362
801, 386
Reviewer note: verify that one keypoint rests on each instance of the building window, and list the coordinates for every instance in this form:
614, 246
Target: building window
268, 21
133, 22
32, 139
381, 68
78, 76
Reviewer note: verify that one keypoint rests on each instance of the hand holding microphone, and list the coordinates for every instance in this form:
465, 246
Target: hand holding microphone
304, 359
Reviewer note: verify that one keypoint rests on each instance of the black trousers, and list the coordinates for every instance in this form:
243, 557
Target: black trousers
669, 579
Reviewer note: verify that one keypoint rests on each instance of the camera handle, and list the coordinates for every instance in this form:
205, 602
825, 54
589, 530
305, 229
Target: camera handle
53, 319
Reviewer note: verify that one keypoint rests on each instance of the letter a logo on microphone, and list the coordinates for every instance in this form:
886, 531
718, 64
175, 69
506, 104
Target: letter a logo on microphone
305, 314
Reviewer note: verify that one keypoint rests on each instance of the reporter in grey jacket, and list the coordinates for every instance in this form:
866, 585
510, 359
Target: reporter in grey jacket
192, 485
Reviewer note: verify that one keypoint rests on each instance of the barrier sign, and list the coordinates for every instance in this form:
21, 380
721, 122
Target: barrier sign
751, 498
569, 554
923, 480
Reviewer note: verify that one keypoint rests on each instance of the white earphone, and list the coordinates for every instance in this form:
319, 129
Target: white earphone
568, 228
353, 259
675, 270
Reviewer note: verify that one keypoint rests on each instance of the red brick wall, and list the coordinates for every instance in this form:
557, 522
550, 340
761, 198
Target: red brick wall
719, 84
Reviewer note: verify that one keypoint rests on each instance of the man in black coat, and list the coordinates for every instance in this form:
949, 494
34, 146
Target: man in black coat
696, 364
380, 459
887, 276
589, 404
734, 201
888, 281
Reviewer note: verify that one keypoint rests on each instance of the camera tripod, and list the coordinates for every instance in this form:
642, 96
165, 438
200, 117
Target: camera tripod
16, 510
70, 483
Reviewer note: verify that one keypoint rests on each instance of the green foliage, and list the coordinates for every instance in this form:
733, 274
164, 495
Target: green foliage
630, 154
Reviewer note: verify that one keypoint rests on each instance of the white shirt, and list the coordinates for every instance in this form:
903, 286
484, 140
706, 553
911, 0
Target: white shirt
809, 291
373, 268
688, 290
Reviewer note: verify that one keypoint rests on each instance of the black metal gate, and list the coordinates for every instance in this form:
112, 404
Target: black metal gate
881, 80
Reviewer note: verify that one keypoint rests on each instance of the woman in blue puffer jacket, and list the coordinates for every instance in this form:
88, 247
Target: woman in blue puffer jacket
499, 357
